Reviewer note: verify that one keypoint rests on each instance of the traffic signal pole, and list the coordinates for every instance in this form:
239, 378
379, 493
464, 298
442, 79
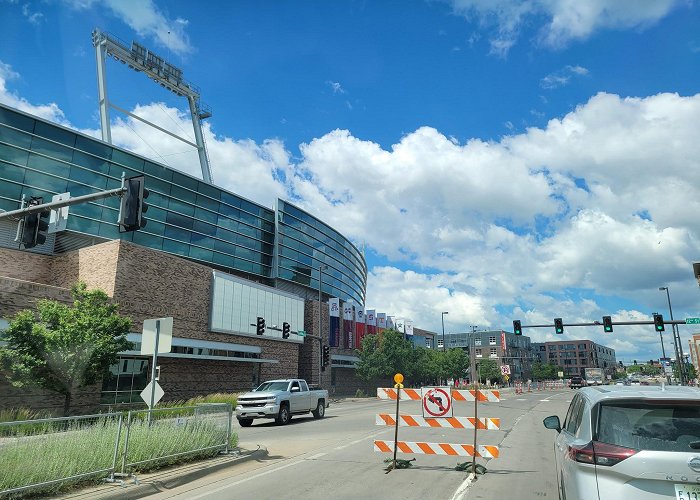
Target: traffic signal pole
598, 323
33, 209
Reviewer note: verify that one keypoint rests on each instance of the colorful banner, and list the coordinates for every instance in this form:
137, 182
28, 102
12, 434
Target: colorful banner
371, 319
399, 326
381, 322
334, 313
359, 326
348, 316
409, 328
503, 342
390, 323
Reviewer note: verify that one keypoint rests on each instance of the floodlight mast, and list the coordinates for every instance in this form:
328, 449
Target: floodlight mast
168, 76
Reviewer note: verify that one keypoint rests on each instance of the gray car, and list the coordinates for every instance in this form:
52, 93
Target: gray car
636, 443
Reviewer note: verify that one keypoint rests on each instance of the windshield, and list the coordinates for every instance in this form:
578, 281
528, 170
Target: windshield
656, 426
272, 386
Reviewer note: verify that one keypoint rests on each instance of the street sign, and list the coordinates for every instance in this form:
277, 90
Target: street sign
146, 393
692, 321
301, 333
505, 369
437, 402
165, 337
58, 220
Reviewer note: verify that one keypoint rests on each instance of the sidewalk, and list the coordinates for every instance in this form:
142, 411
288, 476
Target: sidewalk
165, 479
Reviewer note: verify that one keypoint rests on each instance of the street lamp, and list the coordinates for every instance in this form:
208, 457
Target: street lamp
676, 338
442, 316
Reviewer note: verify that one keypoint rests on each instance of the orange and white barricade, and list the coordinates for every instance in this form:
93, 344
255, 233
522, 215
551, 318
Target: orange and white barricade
441, 421
463, 450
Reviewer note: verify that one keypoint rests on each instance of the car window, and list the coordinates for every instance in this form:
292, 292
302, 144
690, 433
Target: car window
569, 412
304, 387
574, 420
655, 426
294, 384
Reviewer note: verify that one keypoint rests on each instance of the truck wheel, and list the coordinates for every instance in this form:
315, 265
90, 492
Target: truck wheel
283, 417
245, 422
320, 410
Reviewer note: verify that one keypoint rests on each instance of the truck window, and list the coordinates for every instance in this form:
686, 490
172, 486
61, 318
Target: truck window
294, 384
304, 387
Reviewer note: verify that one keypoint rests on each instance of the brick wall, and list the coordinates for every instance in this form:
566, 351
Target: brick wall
151, 284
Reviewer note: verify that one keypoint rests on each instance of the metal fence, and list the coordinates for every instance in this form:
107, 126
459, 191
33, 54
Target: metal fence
44, 453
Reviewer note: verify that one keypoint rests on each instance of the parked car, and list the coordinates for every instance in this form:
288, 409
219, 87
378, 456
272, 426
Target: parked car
629, 442
280, 399
576, 382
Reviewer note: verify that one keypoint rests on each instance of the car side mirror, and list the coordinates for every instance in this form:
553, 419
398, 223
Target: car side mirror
295, 389
552, 423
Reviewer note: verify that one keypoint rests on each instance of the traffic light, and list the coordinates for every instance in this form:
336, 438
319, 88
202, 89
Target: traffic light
607, 324
659, 322
326, 355
35, 225
260, 326
558, 326
517, 327
133, 206
285, 330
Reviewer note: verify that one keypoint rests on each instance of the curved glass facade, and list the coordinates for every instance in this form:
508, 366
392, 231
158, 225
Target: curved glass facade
186, 216
305, 244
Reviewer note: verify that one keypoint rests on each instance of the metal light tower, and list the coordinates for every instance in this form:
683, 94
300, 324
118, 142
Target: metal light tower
142, 60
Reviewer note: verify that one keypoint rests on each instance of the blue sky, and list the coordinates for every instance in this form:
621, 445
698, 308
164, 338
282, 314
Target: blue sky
498, 160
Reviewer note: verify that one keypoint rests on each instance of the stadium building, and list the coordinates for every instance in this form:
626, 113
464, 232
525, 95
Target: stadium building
212, 260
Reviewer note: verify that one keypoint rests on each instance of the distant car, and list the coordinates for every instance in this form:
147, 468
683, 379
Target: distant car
629, 442
576, 382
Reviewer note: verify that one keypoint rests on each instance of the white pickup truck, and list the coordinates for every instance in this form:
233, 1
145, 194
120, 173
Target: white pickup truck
280, 399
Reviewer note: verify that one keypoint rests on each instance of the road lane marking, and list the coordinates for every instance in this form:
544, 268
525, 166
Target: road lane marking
229, 485
521, 399
371, 436
317, 455
459, 494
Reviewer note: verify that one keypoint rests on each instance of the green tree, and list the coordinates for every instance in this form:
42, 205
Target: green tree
488, 370
427, 366
453, 363
689, 370
545, 371
65, 347
384, 355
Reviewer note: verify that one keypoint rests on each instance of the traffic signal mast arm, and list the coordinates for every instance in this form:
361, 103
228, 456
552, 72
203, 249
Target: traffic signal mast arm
598, 323
33, 209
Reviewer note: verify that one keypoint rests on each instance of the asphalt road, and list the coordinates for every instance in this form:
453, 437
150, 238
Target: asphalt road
334, 457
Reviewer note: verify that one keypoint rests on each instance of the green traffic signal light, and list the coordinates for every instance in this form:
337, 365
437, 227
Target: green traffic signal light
517, 327
659, 322
558, 325
607, 324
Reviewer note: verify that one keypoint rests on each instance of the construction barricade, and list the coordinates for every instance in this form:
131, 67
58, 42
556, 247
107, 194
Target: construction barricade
438, 404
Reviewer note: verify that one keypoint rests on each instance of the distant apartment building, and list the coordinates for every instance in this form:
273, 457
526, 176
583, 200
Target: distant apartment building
503, 347
423, 338
575, 356
694, 349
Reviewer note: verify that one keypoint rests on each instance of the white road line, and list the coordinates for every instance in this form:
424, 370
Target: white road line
317, 455
362, 439
521, 399
229, 485
459, 494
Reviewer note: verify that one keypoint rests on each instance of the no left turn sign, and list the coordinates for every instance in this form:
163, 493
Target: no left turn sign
436, 402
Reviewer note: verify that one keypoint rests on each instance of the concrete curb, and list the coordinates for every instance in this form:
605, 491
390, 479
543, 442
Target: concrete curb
165, 479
